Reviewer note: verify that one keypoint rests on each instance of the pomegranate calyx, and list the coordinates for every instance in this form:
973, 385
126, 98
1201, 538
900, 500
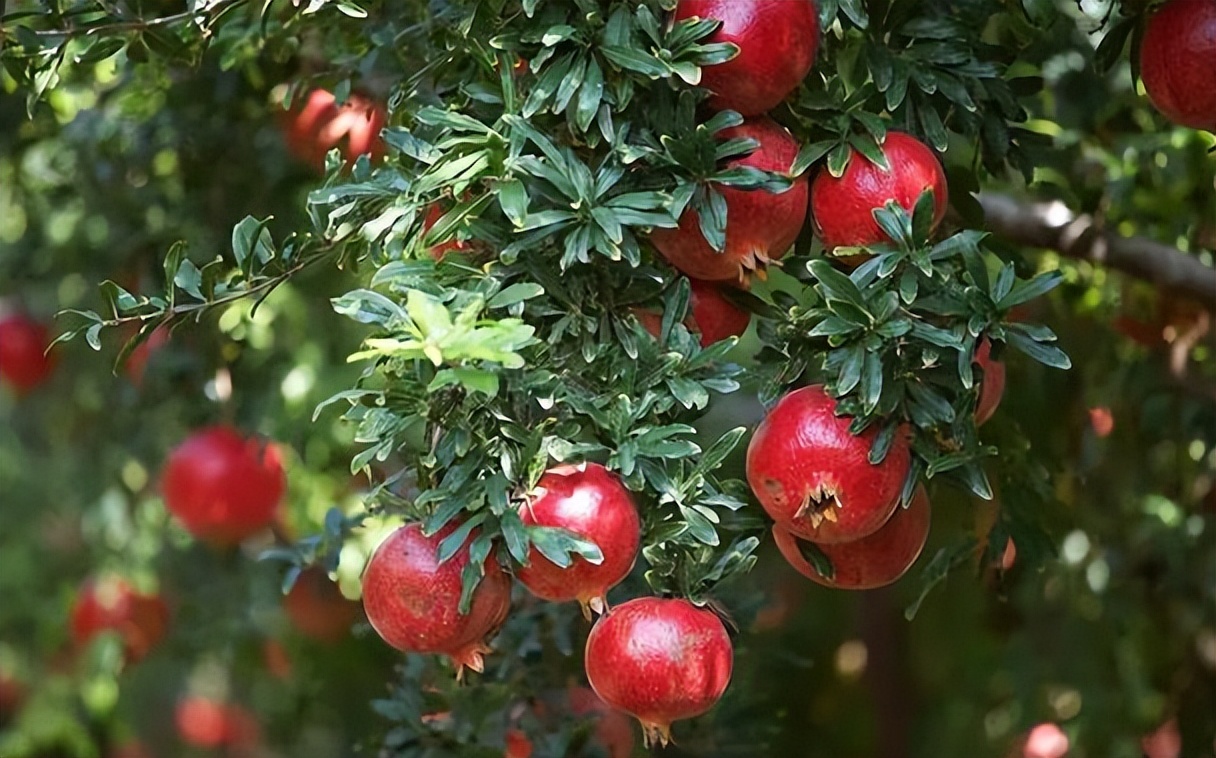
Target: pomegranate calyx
596, 605
819, 506
653, 733
472, 656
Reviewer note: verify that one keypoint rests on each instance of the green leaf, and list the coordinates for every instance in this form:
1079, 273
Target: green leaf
516, 293
818, 559
251, 241
559, 545
1024, 292
946, 559
1048, 355
513, 199
451, 544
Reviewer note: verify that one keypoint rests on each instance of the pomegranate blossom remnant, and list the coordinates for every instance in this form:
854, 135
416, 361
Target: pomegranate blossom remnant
814, 477
659, 660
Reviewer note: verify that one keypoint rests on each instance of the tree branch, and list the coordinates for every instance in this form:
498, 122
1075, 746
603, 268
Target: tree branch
1052, 226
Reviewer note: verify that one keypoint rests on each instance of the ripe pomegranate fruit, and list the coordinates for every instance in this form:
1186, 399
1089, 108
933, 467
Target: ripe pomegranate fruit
992, 385
1163, 742
110, 604
613, 731
760, 226
1177, 56
222, 486
842, 210
1102, 421
590, 501
777, 44
317, 607
320, 124
660, 660
711, 315
207, 723
870, 562
815, 478
412, 600
517, 745
24, 362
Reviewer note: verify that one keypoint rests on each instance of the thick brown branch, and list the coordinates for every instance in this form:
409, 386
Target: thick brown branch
1052, 226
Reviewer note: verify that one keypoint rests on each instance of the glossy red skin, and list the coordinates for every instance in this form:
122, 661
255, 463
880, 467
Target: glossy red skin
1178, 62
24, 363
317, 608
222, 486
712, 316
206, 723
992, 385
433, 213
777, 43
870, 562
590, 501
659, 660
321, 124
760, 226
612, 729
110, 604
801, 447
842, 210
412, 601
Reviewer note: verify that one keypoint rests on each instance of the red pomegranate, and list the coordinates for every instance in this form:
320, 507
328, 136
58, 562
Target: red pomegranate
760, 226
1046, 741
590, 501
660, 660
992, 385
110, 604
12, 697
317, 608
613, 731
1102, 421
842, 210
434, 212
413, 601
321, 124
222, 486
712, 316
870, 562
1177, 58
207, 723
1163, 742
776, 41
24, 362
517, 745
815, 478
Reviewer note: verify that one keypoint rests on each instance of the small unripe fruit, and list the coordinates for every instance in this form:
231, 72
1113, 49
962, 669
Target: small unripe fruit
223, 487
814, 477
413, 601
659, 660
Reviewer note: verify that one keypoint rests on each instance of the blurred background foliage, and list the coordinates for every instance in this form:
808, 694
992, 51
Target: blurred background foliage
1107, 629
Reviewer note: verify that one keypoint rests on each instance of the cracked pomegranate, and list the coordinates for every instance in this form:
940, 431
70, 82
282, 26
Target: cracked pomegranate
413, 601
1177, 58
992, 385
590, 501
317, 608
870, 562
777, 44
24, 362
712, 316
659, 660
842, 210
814, 477
109, 604
222, 486
761, 226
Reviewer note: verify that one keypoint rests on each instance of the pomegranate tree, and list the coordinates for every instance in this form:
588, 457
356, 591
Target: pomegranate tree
1177, 54
24, 362
660, 660
815, 478
412, 599
711, 315
777, 44
870, 562
589, 501
761, 225
842, 208
222, 486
